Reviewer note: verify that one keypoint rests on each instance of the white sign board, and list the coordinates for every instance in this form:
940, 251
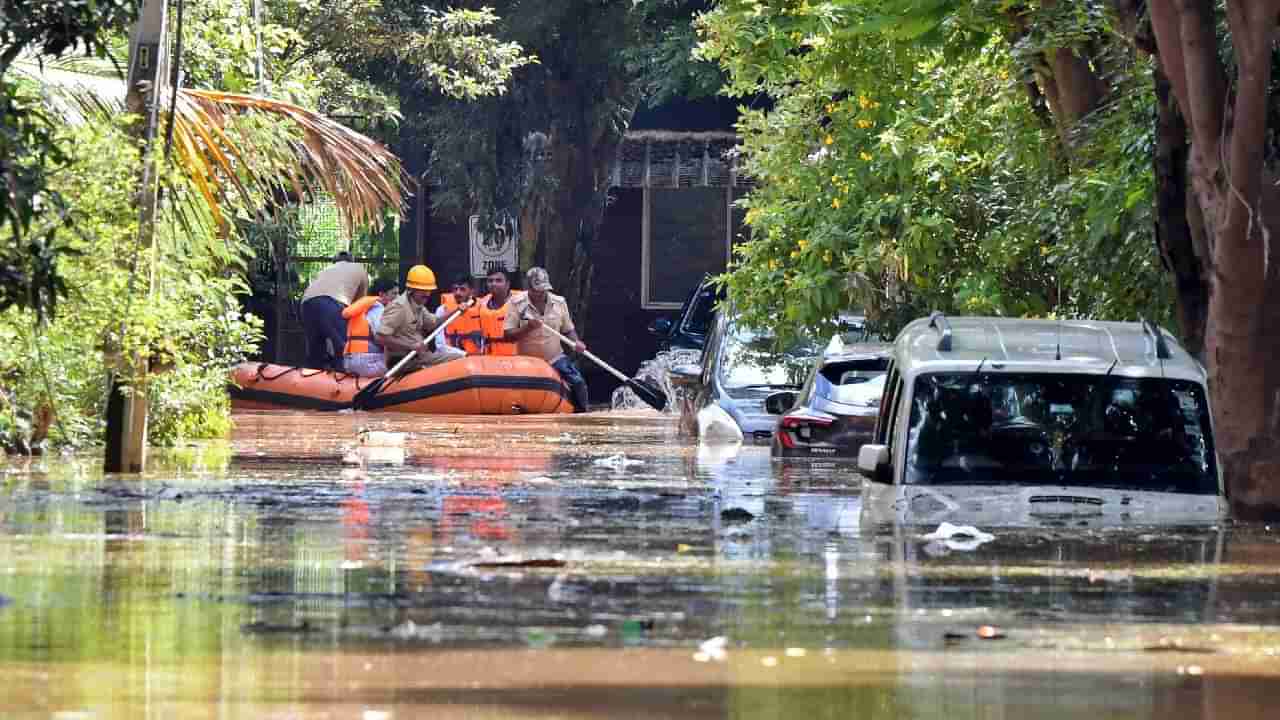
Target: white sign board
492, 250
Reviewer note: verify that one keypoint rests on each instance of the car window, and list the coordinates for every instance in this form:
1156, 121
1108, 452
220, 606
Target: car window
1091, 430
751, 359
854, 382
697, 319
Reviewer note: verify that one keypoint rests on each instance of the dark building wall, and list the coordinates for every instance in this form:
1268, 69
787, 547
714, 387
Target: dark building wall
617, 330
447, 249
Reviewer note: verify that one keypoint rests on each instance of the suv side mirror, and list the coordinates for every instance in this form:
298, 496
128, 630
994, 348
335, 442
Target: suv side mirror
873, 460
660, 327
779, 402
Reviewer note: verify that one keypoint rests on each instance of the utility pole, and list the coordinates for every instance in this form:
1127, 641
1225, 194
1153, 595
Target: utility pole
148, 70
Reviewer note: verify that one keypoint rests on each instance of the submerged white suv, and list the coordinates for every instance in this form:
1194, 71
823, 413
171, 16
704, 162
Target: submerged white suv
1040, 422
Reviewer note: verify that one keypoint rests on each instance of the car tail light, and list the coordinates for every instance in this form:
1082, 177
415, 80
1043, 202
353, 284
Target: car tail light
800, 426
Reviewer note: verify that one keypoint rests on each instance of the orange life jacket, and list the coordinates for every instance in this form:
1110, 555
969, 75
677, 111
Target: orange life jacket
493, 324
359, 334
463, 333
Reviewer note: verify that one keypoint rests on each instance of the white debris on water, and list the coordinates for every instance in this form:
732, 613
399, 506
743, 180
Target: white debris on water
617, 462
959, 537
656, 372
717, 426
713, 649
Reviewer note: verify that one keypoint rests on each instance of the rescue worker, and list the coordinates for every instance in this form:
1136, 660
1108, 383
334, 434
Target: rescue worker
493, 314
463, 333
406, 323
363, 356
525, 322
336, 287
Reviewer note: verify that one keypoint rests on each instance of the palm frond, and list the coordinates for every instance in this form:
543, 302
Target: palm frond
220, 150
364, 177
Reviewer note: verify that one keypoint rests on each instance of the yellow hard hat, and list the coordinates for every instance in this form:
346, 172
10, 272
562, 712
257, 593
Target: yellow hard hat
420, 277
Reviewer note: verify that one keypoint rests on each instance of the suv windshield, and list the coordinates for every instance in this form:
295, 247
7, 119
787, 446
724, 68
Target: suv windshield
752, 360
1089, 430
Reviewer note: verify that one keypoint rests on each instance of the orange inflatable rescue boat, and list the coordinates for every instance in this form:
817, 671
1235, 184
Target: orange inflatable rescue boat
474, 385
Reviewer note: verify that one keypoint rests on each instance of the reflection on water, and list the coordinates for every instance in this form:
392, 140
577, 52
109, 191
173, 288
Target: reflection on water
577, 566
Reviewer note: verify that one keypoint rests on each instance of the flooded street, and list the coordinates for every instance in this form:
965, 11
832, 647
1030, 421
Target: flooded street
592, 566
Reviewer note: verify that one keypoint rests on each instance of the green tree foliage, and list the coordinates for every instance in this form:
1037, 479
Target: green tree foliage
53, 372
911, 162
304, 45
33, 219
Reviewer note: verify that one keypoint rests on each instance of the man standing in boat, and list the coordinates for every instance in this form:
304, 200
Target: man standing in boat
407, 321
336, 287
527, 322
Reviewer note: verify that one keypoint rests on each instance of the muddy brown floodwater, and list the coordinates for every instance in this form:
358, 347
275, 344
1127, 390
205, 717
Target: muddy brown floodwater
590, 566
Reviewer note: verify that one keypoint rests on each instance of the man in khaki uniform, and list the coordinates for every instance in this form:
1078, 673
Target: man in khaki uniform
336, 287
407, 321
527, 319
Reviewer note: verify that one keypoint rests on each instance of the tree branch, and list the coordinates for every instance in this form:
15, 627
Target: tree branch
1165, 25
1205, 76
1252, 31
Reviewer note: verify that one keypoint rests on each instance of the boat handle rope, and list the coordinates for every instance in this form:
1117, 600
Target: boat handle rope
339, 375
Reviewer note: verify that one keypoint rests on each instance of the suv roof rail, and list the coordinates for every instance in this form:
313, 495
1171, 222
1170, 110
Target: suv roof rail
939, 322
1162, 347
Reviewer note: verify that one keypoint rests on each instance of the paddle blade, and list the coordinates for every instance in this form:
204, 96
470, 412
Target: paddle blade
367, 394
652, 396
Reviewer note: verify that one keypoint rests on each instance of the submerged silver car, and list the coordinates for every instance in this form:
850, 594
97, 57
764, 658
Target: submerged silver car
1037, 422
740, 367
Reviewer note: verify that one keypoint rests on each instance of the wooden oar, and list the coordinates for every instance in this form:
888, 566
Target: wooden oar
369, 392
651, 395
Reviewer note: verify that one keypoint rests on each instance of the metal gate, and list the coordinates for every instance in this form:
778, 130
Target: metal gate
292, 249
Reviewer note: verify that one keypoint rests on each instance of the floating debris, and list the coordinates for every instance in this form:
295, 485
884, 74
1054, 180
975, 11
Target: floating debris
990, 632
529, 563
959, 537
617, 462
713, 649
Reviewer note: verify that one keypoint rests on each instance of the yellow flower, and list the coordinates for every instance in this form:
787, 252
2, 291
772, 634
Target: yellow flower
802, 244
835, 203
773, 264
864, 102
826, 257
864, 124
829, 140
795, 254
865, 156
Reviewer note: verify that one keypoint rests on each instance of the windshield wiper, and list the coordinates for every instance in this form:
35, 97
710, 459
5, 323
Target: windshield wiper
758, 386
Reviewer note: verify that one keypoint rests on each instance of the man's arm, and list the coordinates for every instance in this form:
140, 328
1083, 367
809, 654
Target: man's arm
515, 326
578, 345
569, 331
394, 319
397, 344
364, 286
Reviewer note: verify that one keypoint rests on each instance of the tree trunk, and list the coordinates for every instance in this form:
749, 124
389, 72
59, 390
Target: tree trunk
1237, 197
1174, 236
561, 227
